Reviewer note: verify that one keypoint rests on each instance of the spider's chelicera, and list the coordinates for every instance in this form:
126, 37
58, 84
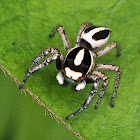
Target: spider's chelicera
79, 65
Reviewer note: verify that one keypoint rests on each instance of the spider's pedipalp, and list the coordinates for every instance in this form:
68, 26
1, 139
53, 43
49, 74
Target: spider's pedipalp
55, 55
80, 86
60, 78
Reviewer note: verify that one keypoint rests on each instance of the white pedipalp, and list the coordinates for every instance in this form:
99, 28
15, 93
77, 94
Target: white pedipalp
60, 78
81, 86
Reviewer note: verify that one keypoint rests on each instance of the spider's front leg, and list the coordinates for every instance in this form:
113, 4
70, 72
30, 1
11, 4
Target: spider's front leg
61, 31
96, 80
33, 68
103, 77
118, 77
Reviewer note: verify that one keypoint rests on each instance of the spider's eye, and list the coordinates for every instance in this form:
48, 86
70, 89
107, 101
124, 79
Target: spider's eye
101, 35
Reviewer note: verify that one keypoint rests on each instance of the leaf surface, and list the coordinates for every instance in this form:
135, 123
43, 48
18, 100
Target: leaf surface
24, 30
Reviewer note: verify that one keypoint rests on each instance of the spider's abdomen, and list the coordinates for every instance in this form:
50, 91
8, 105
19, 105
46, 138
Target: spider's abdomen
94, 37
77, 63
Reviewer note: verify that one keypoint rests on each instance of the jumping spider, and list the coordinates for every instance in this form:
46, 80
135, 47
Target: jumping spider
79, 65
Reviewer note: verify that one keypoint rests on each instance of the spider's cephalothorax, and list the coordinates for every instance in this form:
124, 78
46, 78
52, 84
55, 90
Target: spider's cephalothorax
78, 65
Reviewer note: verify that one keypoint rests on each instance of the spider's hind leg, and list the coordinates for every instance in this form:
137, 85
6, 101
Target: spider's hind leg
55, 55
82, 28
61, 31
109, 48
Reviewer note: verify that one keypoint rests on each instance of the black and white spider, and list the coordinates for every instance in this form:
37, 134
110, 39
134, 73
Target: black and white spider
79, 65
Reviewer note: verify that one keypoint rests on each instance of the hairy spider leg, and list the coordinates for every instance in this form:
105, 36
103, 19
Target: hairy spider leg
118, 77
109, 48
103, 77
82, 28
104, 86
55, 55
61, 31
96, 81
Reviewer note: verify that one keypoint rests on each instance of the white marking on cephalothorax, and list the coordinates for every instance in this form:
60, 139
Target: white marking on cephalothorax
72, 74
60, 78
81, 85
79, 57
92, 61
95, 43
71, 51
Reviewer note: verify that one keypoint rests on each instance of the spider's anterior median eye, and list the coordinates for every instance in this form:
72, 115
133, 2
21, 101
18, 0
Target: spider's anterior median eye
101, 34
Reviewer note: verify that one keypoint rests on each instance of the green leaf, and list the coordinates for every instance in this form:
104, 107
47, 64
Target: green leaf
24, 28
21, 118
